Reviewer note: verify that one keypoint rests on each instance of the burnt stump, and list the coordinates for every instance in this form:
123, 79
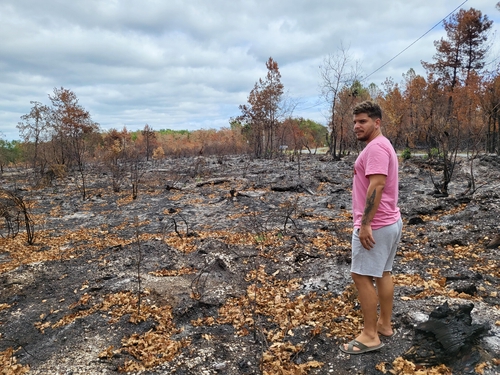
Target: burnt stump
448, 337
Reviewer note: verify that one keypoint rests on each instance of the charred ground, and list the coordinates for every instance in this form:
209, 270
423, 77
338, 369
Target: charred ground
237, 266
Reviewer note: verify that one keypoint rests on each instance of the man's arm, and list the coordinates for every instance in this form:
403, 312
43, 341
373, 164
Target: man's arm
373, 197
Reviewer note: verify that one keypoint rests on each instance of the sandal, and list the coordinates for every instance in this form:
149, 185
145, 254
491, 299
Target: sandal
362, 347
394, 332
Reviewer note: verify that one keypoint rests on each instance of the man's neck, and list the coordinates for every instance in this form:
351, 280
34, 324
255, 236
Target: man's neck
376, 135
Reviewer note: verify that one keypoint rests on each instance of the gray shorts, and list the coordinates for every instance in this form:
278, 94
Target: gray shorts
380, 258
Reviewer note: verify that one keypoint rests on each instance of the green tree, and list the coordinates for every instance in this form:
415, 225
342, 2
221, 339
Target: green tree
316, 132
9, 153
298, 133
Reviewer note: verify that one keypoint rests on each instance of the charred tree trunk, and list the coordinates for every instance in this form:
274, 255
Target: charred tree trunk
448, 337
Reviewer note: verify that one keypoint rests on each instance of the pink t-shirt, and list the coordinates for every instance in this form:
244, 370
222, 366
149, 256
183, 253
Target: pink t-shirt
378, 157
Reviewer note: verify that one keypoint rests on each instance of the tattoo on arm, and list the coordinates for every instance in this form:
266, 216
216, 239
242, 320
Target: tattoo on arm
370, 202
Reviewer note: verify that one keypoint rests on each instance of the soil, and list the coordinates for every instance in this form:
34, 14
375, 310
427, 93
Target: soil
231, 265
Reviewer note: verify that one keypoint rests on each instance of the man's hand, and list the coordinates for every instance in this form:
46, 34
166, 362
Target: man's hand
366, 237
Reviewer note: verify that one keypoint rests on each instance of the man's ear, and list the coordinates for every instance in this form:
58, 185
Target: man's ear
378, 122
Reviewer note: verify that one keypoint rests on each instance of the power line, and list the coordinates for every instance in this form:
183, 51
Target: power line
427, 32
369, 75
318, 103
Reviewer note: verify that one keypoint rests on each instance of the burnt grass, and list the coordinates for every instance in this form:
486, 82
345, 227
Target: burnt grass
218, 227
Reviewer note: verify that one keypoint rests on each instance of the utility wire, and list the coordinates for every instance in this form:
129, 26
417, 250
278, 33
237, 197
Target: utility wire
427, 32
318, 103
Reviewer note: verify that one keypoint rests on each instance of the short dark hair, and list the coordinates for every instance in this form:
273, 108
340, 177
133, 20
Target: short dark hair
372, 109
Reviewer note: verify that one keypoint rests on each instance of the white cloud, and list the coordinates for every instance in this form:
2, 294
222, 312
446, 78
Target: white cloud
188, 64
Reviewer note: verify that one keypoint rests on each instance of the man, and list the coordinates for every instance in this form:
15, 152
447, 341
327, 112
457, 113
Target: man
377, 228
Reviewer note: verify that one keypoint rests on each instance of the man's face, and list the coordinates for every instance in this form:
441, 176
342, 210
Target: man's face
365, 127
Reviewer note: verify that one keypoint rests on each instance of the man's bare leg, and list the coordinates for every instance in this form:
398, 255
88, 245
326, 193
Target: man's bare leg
385, 289
368, 299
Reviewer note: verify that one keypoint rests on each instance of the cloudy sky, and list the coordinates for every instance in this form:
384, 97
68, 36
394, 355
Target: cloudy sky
188, 64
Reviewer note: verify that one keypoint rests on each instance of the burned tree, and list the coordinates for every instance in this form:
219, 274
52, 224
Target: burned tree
339, 75
261, 116
15, 214
34, 131
73, 131
460, 57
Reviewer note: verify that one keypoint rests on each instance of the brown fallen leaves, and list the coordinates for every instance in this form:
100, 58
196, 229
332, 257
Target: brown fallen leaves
67, 244
179, 272
272, 307
9, 364
278, 359
269, 297
149, 349
154, 347
401, 366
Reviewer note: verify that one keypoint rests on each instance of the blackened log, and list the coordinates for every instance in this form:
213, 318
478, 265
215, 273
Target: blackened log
445, 337
292, 188
469, 289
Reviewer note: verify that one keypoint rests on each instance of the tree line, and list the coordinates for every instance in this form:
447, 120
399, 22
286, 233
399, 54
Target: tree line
455, 107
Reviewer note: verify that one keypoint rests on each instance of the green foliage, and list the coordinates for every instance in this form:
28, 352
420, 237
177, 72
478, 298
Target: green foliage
434, 153
359, 91
406, 154
173, 132
135, 134
10, 152
313, 126
260, 238
318, 131
235, 125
